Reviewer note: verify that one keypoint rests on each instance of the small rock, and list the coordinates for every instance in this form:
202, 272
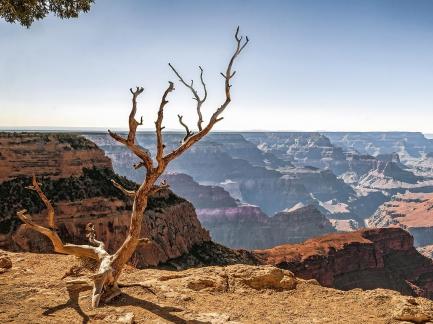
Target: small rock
5, 262
185, 297
412, 301
213, 318
127, 318
412, 314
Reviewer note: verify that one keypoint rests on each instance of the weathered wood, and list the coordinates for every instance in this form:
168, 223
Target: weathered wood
105, 280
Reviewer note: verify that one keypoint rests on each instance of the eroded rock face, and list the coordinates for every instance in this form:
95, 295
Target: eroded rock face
200, 196
406, 144
388, 175
249, 228
44, 154
173, 228
81, 195
411, 211
368, 259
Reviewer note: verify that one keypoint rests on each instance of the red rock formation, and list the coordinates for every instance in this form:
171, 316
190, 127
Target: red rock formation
43, 154
76, 178
411, 211
368, 259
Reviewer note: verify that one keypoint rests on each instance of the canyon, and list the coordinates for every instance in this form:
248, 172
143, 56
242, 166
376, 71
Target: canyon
191, 224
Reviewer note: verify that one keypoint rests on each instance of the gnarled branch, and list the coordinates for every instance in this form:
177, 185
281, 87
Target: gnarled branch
129, 193
188, 132
35, 187
163, 185
197, 98
215, 118
130, 140
158, 125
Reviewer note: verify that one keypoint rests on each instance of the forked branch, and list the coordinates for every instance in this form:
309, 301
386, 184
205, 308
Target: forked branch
215, 118
197, 98
188, 132
130, 140
158, 125
129, 193
35, 187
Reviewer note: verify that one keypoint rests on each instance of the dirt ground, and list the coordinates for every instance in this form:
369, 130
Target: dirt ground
33, 291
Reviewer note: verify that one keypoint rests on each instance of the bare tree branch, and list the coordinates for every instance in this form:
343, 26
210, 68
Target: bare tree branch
197, 98
158, 125
163, 185
215, 118
35, 187
133, 123
130, 140
59, 247
188, 132
129, 193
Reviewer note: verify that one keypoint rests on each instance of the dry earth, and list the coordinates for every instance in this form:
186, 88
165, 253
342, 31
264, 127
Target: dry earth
33, 291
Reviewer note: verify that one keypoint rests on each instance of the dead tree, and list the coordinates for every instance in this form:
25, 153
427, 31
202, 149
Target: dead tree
105, 280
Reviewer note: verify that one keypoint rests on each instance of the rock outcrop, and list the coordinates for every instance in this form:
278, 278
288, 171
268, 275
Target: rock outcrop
45, 154
81, 195
406, 144
200, 196
248, 227
233, 294
388, 175
368, 259
411, 211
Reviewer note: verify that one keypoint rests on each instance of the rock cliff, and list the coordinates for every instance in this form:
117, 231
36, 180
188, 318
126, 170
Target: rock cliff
411, 211
248, 227
44, 154
200, 196
406, 144
368, 259
86, 195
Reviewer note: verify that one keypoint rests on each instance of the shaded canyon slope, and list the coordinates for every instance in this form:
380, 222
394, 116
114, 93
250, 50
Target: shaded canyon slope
247, 227
368, 259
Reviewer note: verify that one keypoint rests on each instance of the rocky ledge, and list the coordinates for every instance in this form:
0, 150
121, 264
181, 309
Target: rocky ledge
411, 211
368, 259
32, 291
54, 155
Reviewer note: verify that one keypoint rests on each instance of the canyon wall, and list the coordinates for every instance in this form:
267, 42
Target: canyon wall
81, 192
248, 227
368, 259
411, 211
47, 154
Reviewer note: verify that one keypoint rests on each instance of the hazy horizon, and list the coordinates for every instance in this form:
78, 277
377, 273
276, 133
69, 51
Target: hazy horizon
339, 65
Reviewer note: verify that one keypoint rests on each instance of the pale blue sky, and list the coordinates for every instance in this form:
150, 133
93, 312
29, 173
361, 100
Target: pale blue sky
311, 64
